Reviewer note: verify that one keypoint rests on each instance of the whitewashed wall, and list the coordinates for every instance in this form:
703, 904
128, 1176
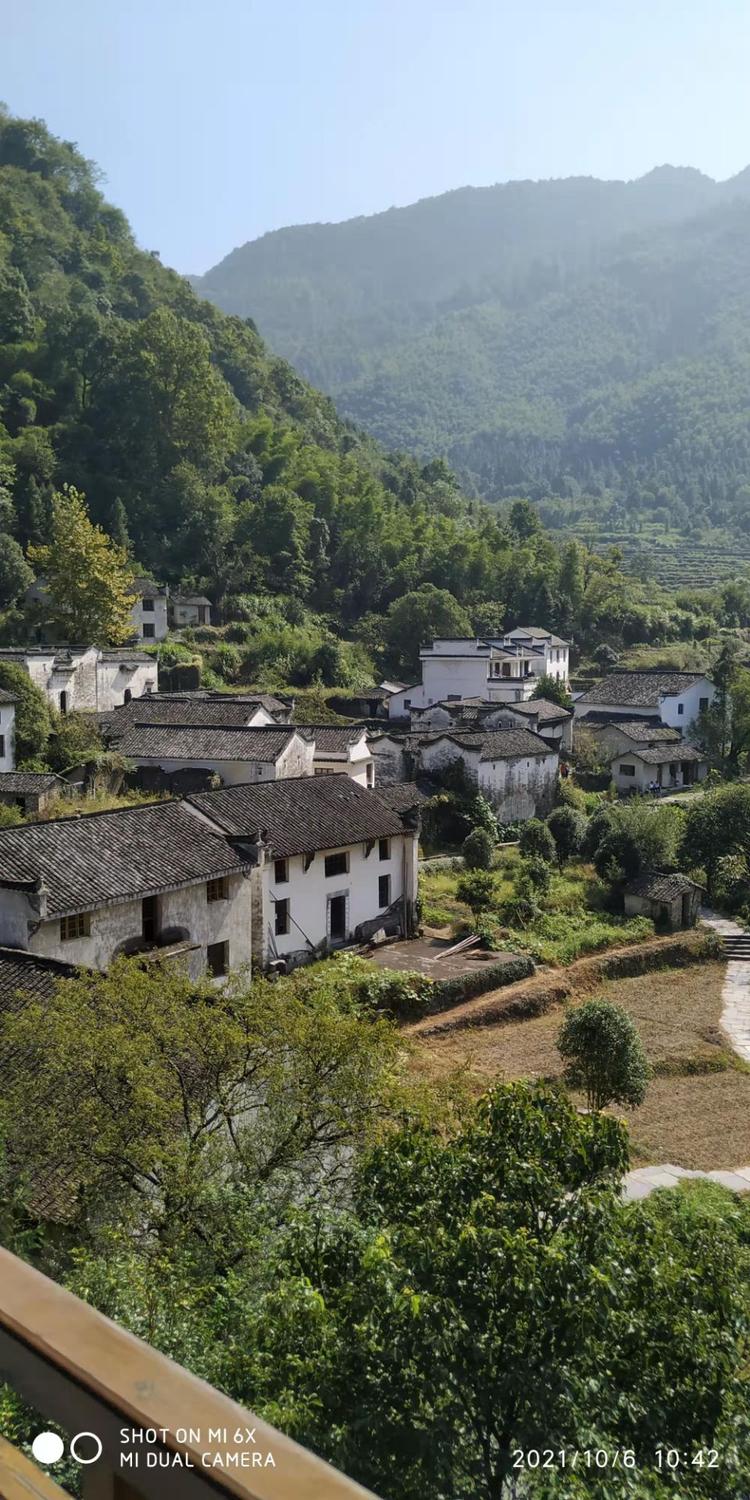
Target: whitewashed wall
308, 891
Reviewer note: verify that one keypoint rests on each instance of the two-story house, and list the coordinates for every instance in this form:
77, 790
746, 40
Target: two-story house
85, 677
342, 748
514, 769
150, 611
502, 669
542, 717
84, 890
332, 863
672, 698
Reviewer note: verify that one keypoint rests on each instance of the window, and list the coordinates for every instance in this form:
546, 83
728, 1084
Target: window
2, 744
680, 708
150, 918
281, 923
384, 890
703, 704
407, 702
384, 848
370, 774
148, 630
148, 606
217, 889
627, 770
337, 864
281, 871
127, 695
77, 926
217, 959
63, 703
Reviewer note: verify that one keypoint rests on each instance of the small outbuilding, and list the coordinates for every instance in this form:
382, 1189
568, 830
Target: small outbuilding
671, 900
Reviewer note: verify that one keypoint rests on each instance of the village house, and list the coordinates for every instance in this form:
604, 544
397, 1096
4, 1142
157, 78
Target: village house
85, 678
84, 890
670, 900
32, 791
514, 769
233, 754
332, 863
503, 669
189, 609
666, 767
672, 698
553, 723
150, 611
219, 711
342, 749
613, 736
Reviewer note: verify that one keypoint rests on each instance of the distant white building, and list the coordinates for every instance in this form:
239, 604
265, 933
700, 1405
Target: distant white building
501, 669
150, 621
672, 698
189, 609
344, 749
332, 863
553, 723
233, 754
514, 769
85, 677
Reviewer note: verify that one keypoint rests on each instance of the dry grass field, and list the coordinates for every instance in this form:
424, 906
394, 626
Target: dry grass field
697, 1109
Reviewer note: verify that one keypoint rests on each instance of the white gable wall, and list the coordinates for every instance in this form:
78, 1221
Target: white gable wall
309, 891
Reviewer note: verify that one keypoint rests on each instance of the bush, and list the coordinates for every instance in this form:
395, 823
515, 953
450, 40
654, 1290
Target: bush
33, 721
477, 890
536, 839
599, 826
447, 992
399, 996
568, 828
603, 1055
538, 874
478, 850
618, 858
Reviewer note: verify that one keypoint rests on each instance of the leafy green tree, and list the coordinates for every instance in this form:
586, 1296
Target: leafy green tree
568, 828
32, 712
553, 690
716, 824
617, 857
478, 850
419, 617
15, 573
477, 890
599, 825
74, 739
603, 1055
87, 576
538, 873
535, 838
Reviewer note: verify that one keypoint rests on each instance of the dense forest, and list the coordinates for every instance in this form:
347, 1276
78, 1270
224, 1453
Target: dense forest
584, 343
218, 466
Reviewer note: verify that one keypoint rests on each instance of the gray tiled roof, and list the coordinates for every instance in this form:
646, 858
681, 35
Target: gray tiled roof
301, 814
662, 755
401, 796
203, 742
536, 633
494, 744
216, 713
332, 738
6, 697
30, 781
30, 975
86, 862
640, 689
643, 732
545, 711
661, 887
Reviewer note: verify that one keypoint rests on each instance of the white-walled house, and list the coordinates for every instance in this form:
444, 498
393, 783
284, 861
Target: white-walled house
332, 863
217, 711
344, 749
189, 609
672, 698
542, 717
514, 769
84, 890
615, 735
149, 613
667, 766
502, 669
8, 703
85, 677
233, 754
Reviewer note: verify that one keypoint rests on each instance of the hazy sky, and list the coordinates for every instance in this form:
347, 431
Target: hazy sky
216, 120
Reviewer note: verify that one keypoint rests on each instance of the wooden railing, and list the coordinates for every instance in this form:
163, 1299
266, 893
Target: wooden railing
151, 1428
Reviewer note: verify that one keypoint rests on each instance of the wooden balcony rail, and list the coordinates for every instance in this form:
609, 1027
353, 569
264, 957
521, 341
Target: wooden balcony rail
163, 1433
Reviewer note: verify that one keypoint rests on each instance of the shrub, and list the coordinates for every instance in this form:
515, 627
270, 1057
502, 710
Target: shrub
618, 858
447, 992
477, 890
538, 874
478, 850
603, 1055
400, 996
567, 828
32, 711
599, 826
536, 839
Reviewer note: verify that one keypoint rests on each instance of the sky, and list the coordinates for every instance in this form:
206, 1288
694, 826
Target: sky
214, 121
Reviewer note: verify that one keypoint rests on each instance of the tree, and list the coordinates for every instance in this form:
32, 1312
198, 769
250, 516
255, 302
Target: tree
537, 872
535, 839
87, 576
617, 858
32, 712
553, 690
603, 1055
74, 739
477, 890
716, 824
478, 850
599, 825
168, 1100
416, 619
15, 573
567, 828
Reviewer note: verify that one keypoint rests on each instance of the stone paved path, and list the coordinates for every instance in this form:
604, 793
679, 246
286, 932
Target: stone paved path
735, 1021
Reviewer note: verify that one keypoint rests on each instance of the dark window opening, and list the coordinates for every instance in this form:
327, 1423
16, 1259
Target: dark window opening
217, 959
217, 889
281, 925
384, 848
2, 744
680, 708
384, 890
281, 871
337, 864
703, 705
77, 926
63, 703
148, 606
149, 630
127, 695
627, 770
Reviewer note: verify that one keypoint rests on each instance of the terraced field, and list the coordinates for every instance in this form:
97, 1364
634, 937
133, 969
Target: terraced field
671, 560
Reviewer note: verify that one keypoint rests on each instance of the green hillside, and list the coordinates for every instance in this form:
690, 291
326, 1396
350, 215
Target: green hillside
580, 340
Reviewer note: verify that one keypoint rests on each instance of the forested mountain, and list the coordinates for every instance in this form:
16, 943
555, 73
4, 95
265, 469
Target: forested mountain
571, 338
220, 467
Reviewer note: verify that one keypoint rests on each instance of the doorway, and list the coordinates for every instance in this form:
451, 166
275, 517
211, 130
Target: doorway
337, 919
